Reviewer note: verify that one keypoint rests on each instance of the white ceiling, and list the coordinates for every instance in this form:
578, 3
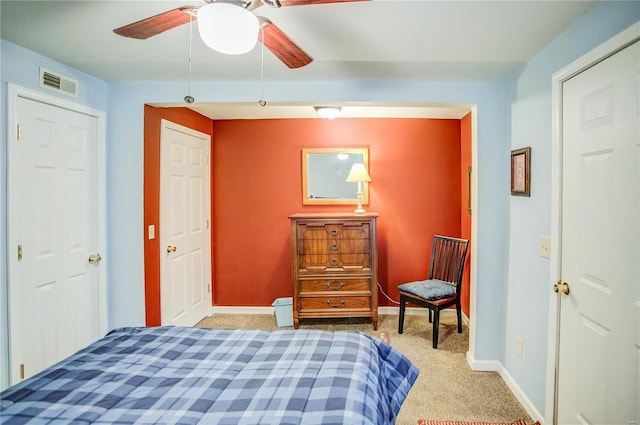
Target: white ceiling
369, 40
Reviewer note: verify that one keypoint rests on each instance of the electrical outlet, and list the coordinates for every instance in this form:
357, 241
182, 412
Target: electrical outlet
519, 346
545, 246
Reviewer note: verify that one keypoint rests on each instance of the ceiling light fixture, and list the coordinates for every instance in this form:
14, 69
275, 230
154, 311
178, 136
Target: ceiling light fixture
328, 112
228, 28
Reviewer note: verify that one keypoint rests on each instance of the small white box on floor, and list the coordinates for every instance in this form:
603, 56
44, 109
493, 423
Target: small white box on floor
284, 311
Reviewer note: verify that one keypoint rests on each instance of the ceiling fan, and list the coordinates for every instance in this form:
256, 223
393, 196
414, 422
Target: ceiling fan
271, 36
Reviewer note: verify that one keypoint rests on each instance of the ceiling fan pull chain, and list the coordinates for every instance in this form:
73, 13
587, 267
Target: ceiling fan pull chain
188, 98
262, 102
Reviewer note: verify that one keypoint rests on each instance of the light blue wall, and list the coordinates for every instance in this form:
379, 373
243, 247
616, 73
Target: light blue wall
528, 95
22, 67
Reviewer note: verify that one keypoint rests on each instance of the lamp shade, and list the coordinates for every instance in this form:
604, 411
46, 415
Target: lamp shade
358, 173
228, 28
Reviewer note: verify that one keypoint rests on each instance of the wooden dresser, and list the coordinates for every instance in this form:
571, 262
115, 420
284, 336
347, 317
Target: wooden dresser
334, 266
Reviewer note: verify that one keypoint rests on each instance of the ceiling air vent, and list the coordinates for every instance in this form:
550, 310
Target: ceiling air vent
58, 83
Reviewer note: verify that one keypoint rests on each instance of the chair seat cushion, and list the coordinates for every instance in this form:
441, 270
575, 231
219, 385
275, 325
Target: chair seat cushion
430, 289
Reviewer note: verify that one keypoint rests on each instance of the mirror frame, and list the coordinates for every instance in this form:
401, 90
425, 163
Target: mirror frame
324, 151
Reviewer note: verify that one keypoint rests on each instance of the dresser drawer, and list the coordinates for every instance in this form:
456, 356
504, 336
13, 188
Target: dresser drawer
331, 303
325, 237
333, 246
319, 263
329, 230
337, 285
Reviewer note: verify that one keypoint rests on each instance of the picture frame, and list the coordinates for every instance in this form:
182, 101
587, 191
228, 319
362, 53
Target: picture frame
324, 174
521, 172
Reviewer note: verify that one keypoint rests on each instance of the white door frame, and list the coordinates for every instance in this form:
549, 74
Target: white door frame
605, 50
15, 92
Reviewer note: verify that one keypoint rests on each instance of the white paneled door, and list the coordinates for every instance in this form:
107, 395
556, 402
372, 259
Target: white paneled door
185, 234
55, 307
599, 354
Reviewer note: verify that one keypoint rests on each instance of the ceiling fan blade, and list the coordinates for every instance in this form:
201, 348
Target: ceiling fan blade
285, 3
282, 46
157, 24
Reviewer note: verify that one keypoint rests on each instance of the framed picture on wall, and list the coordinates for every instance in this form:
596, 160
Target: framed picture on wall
520, 172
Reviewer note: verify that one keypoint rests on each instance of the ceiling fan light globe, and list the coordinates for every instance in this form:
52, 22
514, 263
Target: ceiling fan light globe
228, 28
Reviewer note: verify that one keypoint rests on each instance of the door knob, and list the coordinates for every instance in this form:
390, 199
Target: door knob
95, 259
171, 248
561, 287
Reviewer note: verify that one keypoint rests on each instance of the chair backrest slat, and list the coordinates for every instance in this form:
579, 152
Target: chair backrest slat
448, 257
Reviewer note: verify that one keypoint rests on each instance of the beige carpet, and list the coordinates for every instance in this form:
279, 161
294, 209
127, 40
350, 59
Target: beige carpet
447, 389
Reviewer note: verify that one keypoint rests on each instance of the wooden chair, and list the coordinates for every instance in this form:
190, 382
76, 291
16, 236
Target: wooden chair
443, 288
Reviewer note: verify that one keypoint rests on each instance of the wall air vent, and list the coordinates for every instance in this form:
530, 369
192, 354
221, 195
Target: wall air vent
58, 83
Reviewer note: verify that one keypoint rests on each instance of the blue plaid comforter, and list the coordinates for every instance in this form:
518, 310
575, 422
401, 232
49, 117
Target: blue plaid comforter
175, 375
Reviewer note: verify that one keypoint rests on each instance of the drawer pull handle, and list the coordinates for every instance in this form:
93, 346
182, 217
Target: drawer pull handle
334, 261
334, 246
335, 288
334, 232
335, 305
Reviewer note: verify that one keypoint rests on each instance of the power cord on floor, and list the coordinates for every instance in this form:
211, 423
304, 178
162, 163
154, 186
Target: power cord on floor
387, 296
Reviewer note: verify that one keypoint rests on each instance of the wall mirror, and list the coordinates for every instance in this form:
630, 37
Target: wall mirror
324, 176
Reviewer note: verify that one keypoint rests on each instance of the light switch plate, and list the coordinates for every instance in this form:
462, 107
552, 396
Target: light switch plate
152, 231
545, 246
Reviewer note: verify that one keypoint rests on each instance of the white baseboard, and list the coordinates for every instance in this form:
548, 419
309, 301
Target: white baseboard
410, 311
496, 366
381, 310
483, 365
241, 310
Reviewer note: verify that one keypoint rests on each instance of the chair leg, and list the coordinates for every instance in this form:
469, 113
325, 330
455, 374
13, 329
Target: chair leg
430, 317
401, 316
436, 325
459, 311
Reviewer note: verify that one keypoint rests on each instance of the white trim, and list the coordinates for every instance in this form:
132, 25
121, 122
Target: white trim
606, 49
13, 93
410, 311
473, 273
418, 311
241, 310
483, 365
101, 151
496, 366
528, 405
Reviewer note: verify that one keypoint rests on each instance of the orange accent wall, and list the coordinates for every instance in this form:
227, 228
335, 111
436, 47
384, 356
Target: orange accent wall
465, 217
415, 166
152, 128
415, 170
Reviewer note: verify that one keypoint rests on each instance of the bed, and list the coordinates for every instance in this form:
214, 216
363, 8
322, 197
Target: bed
180, 375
